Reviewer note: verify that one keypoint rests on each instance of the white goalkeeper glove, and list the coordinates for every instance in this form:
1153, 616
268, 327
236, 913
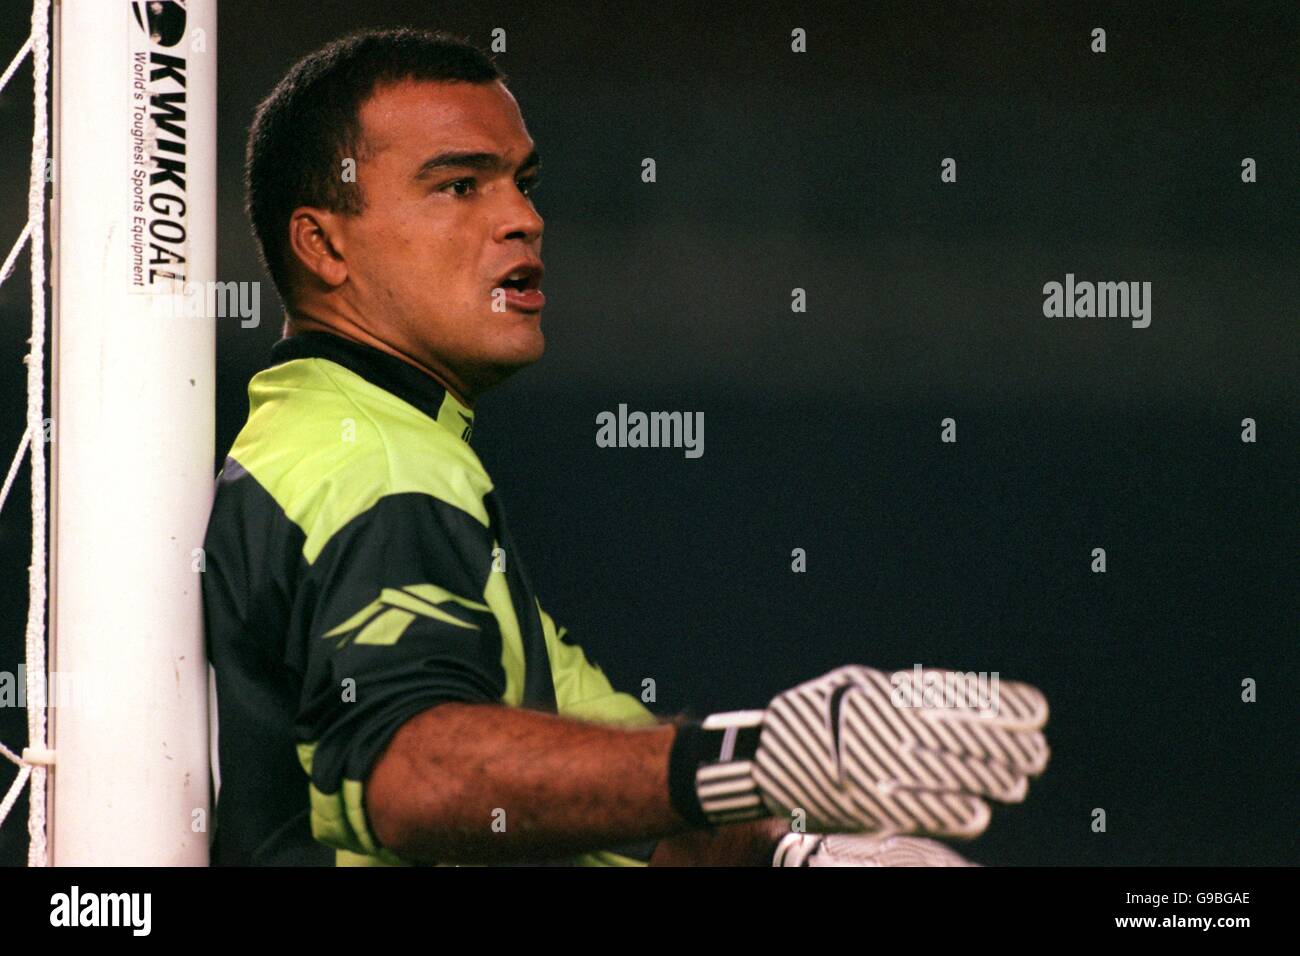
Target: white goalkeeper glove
858, 749
867, 849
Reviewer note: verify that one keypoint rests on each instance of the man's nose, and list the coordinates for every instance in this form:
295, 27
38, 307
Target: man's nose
520, 221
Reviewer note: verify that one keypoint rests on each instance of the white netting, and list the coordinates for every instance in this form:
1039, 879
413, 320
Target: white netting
36, 756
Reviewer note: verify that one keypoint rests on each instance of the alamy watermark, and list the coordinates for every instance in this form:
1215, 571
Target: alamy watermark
946, 689
211, 300
1103, 300
61, 689
131, 911
651, 430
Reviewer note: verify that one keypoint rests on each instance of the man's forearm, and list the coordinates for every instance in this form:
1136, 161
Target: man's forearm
738, 844
476, 783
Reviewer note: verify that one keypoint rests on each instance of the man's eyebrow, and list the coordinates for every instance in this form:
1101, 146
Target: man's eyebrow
487, 162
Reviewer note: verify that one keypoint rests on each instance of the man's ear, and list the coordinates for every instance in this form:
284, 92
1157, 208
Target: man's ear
316, 238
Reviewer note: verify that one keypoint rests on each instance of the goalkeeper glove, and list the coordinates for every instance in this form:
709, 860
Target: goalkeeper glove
868, 849
858, 749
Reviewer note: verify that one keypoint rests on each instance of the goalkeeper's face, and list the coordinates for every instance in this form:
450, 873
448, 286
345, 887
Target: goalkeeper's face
446, 172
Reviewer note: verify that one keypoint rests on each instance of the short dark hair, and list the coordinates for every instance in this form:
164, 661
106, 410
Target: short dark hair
311, 122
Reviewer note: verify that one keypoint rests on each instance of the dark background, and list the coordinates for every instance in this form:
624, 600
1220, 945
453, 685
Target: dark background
821, 171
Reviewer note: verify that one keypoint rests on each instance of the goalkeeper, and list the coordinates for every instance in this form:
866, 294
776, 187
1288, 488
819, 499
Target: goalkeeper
389, 689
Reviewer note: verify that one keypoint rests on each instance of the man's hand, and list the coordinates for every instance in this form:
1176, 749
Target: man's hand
868, 849
858, 749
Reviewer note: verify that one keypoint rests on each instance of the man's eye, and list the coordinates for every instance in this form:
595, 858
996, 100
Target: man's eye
458, 183
528, 185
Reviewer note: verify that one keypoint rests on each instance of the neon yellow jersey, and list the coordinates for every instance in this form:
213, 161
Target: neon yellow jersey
359, 571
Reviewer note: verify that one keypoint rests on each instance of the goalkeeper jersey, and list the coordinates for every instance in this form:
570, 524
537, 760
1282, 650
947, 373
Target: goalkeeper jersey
358, 570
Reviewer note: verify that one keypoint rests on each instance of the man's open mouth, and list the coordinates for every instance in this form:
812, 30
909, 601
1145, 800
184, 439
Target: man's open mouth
523, 277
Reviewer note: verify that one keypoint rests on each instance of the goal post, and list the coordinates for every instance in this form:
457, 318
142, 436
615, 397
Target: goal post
133, 219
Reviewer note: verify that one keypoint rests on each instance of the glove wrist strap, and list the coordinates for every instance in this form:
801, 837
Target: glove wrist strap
710, 769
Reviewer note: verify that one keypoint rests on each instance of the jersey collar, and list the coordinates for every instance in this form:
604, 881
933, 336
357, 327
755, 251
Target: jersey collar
385, 371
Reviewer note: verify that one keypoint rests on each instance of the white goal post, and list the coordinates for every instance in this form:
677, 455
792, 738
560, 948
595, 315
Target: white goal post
133, 215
